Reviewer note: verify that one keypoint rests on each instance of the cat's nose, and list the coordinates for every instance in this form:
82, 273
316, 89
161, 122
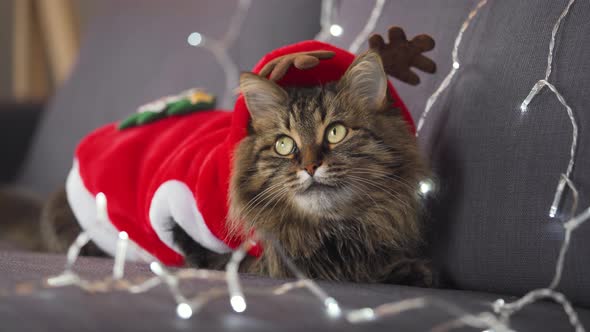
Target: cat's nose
311, 167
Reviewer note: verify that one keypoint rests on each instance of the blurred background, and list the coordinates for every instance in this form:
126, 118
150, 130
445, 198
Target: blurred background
39, 40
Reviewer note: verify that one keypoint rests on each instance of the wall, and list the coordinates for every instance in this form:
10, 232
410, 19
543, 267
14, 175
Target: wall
82, 8
5, 46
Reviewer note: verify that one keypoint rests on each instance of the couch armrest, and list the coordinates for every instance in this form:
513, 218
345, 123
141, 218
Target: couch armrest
18, 122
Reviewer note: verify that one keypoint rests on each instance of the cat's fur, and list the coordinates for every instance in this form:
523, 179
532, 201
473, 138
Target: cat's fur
59, 227
357, 217
19, 220
361, 221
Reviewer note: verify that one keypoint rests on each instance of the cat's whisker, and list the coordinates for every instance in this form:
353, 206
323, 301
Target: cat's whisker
252, 203
270, 195
392, 193
260, 196
355, 186
380, 177
276, 197
385, 174
363, 189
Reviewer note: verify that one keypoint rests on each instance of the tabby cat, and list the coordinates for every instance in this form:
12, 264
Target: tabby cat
331, 174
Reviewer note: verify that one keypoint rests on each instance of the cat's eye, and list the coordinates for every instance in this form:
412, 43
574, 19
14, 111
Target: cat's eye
336, 133
284, 145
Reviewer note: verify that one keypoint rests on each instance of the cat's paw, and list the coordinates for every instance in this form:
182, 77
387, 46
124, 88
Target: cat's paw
423, 274
414, 272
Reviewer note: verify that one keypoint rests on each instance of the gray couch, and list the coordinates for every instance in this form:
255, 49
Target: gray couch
490, 234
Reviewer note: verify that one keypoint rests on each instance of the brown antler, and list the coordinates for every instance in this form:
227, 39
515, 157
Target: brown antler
400, 54
277, 68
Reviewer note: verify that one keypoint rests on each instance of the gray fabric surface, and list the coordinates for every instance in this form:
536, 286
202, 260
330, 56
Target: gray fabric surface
134, 53
498, 168
70, 309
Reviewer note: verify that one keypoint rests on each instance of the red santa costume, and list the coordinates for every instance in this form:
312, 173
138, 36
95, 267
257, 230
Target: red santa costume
177, 169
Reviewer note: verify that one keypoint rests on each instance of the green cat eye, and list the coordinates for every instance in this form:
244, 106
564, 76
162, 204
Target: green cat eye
284, 145
336, 133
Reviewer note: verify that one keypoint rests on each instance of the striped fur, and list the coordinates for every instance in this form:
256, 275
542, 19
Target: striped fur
359, 220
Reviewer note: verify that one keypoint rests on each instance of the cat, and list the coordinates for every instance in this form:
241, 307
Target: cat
327, 176
19, 223
331, 174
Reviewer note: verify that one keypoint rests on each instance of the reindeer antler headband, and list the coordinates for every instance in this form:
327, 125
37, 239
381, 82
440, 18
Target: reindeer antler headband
398, 56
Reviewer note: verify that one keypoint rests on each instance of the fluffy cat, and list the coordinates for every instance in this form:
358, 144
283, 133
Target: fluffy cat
328, 172
331, 174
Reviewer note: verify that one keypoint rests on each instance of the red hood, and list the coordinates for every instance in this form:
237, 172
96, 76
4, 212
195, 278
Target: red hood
328, 70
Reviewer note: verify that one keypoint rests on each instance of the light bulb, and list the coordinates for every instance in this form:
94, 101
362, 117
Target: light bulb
335, 30
195, 39
184, 311
237, 303
332, 308
425, 187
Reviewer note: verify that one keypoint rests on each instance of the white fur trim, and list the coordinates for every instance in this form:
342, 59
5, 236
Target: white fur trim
83, 204
174, 202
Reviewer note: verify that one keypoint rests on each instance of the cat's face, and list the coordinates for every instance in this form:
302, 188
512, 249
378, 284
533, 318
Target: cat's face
308, 152
322, 153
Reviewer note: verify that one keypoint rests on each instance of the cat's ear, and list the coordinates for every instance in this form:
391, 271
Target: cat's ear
365, 82
264, 98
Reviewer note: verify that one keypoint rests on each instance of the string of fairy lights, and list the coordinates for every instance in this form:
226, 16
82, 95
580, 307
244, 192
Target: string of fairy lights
455, 66
496, 319
535, 91
220, 50
506, 310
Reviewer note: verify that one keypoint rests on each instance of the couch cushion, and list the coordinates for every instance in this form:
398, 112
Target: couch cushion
69, 309
132, 54
498, 168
